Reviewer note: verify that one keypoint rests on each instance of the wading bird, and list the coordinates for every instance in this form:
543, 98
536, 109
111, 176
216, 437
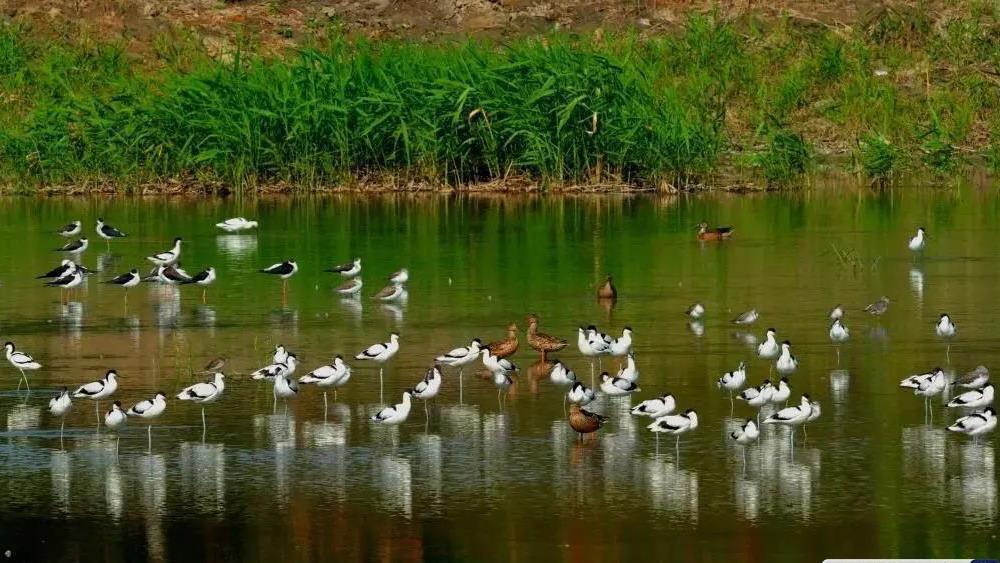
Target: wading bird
21, 362
97, 390
168, 258
584, 421
149, 409
380, 354
107, 232
204, 393
541, 342
348, 270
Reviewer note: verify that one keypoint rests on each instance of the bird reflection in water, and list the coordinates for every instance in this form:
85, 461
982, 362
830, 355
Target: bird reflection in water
975, 490
672, 491
917, 284
393, 313
924, 458
697, 328
237, 246
114, 496
151, 473
747, 338
61, 473
331, 438
394, 481
352, 308
840, 384
429, 458
203, 477
537, 371
71, 321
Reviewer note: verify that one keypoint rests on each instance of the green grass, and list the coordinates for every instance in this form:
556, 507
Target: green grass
680, 108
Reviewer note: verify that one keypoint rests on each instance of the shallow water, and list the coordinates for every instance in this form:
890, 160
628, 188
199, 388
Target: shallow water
482, 480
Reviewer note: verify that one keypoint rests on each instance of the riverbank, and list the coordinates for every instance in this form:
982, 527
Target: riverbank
715, 103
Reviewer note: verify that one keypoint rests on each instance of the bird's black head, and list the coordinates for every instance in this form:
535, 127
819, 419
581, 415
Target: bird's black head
178, 239
784, 380
100, 220
787, 343
133, 271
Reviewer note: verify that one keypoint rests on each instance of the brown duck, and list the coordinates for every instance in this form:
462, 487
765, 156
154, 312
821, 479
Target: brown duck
718, 233
607, 291
507, 346
541, 342
584, 421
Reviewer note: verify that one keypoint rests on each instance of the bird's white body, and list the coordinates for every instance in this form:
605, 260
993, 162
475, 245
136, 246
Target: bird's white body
781, 393
837, 313
400, 277
61, 403
839, 332
282, 369
107, 232
630, 371
769, 348
977, 423
149, 408
583, 343
495, 363
20, 360
76, 249
758, 396
115, 417
561, 374
945, 328
622, 345
599, 342
236, 224
352, 287
283, 270
205, 392
675, 424
71, 230
974, 399
792, 416
336, 374
748, 433
99, 389
169, 257
280, 354
284, 386
391, 293
786, 363
976, 379
917, 242
461, 356
394, 415
429, 386
656, 408
696, 311
617, 386
382, 352
580, 394
734, 380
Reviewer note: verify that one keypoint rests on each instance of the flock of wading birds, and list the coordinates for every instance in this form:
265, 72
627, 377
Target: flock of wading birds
591, 342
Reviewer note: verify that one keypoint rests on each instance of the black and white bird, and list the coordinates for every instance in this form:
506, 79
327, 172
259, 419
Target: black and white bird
926, 385
745, 435
107, 232
837, 313
696, 311
747, 318
203, 278
67, 282
792, 417
622, 345
786, 363
97, 390
400, 277
459, 358
204, 393
617, 386
974, 398
976, 424
839, 332
74, 248
351, 287
66, 267
236, 224
348, 270
629, 371
428, 387
127, 280
917, 242
285, 367
757, 396
71, 230
560, 374
734, 380
975, 379
21, 362
656, 408
397, 414
169, 274
769, 348
285, 386
284, 270
115, 418
495, 363
380, 354
60, 405
335, 374
580, 394
169, 257
945, 328
675, 424
780, 393
149, 409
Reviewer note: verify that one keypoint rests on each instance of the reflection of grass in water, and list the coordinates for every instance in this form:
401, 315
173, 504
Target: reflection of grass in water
849, 258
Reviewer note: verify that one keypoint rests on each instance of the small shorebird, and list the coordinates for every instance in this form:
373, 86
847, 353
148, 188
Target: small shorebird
675, 424
718, 233
507, 346
67, 282
74, 248
629, 371
975, 379
607, 290
280, 354
390, 292
203, 278
560, 374
583, 344
781, 393
236, 224
169, 257
786, 363
918, 242
583, 421
60, 405
107, 232
216, 364
495, 363
696, 311
397, 414
204, 393
71, 230
459, 358
617, 386
926, 385
97, 390
734, 380
656, 408
747, 318
836, 313
351, 287
286, 368
284, 386
541, 342
622, 345
127, 280
428, 388
815, 413
115, 418
945, 328
879, 307
974, 398
758, 396
745, 435
348, 270
149, 409
21, 362
769, 348
170, 274
335, 374
839, 332
400, 277
67, 266
284, 270
380, 354
792, 417
580, 394
975, 424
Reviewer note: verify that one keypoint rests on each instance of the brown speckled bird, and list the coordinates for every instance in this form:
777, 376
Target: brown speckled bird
718, 233
584, 421
506, 347
608, 290
541, 342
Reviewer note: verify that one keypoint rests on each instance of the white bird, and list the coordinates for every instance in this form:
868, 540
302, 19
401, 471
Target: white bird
400, 277
786, 363
69, 281
348, 270
836, 313
656, 408
617, 386
926, 385
975, 424
629, 371
459, 358
283, 270
815, 413
149, 409
271, 371
675, 424
390, 292
60, 405
285, 386
585, 347
599, 342
107, 232
236, 224
745, 435
280, 354
944, 327
839, 332
695, 311
781, 393
350, 287
622, 345
336, 374
168, 258
975, 379
115, 418
21, 362
792, 416
71, 230
395, 414
734, 380
758, 396
769, 349
917, 243
580, 394
975, 398
428, 387
97, 390
495, 363
203, 278
204, 393
74, 248
380, 354
560, 374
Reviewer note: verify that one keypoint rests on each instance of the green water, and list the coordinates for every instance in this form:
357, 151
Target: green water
482, 480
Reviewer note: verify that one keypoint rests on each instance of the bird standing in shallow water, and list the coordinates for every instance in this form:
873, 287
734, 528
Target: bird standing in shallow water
656, 408
115, 418
608, 290
97, 390
974, 398
696, 311
675, 424
203, 278
396, 414
204, 393
580, 394
284, 270
541, 342
878, 308
428, 388
975, 424
507, 346
70, 230
975, 379
60, 405
745, 435
380, 354
333, 375
21, 362
918, 242
348, 270
786, 363
747, 318
926, 385
584, 421
149, 409
459, 358
107, 232
792, 417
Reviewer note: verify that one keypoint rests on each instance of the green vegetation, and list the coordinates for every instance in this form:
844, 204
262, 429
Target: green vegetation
759, 101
